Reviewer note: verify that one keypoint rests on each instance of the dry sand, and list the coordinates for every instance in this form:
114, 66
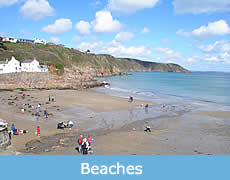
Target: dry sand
179, 132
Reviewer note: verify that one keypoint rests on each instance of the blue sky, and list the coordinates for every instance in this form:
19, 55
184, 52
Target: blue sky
194, 34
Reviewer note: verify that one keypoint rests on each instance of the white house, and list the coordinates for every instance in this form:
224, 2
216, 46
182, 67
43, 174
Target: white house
39, 41
10, 39
11, 66
33, 66
14, 66
23, 41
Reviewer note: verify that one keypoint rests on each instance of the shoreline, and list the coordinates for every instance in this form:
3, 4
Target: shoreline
107, 117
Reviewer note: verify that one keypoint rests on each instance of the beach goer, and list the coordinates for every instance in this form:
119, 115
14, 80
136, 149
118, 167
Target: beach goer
22, 111
146, 106
65, 124
60, 125
49, 98
85, 146
13, 129
52, 98
46, 113
130, 98
39, 105
147, 129
80, 143
70, 124
89, 140
37, 111
38, 131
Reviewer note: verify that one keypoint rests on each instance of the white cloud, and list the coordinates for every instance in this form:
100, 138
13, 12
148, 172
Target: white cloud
124, 36
36, 9
201, 6
217, 47
76, 39
60, 26
129, 6
216, 52
168, 52
104, 22
83, 27
5, 3
211, 58
55, 39
91, 46
213, 29
145, 30
25, 32
2, 34
116, 49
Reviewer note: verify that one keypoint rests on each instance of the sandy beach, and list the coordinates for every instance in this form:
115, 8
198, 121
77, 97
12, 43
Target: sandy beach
116, 125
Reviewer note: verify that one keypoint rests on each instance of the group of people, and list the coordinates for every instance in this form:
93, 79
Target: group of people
15, 131
85, 145
65, 124
51, 98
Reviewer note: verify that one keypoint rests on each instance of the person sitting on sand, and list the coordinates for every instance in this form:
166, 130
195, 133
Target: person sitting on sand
13, 130
147, 129
146, 106
65, 124
70, 124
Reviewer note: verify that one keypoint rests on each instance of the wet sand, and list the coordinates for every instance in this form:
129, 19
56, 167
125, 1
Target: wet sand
116, 125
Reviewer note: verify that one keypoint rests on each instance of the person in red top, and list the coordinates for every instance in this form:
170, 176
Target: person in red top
80, 139
38, 131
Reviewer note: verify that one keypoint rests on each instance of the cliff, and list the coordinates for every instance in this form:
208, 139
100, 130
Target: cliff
79, 62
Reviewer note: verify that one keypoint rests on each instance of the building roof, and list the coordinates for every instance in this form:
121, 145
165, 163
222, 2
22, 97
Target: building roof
28, 61
3, 62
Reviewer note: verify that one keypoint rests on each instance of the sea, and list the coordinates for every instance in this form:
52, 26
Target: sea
207, 88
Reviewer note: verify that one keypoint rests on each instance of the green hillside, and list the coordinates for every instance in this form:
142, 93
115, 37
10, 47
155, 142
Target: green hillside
73, 59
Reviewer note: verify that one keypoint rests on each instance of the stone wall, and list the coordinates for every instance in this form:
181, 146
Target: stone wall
27, 80
4, 138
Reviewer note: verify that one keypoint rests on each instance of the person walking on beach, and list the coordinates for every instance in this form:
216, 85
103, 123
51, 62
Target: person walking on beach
46, 114
131, 99
80, 143
89, 140
37, 111
85, 146
38, 132
49, 98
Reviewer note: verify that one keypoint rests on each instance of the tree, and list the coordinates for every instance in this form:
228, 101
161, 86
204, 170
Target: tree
1, 39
